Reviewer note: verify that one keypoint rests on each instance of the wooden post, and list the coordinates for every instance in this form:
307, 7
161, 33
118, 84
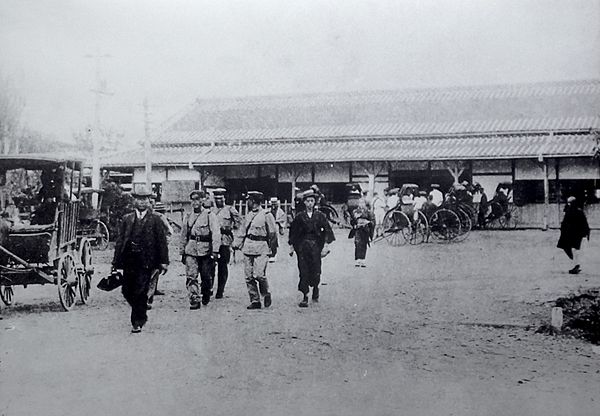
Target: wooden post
546, 195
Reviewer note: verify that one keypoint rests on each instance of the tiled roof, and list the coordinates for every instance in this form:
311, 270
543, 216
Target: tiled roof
387, 149
572, 105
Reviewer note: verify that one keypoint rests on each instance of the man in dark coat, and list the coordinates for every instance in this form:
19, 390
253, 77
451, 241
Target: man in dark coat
310, 233
140, 251
573, 229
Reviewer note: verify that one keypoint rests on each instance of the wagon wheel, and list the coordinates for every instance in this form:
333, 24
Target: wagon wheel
419, 232
510, 219
6, 294
66, 280
396, 228
100, 237
84, 279
444, 225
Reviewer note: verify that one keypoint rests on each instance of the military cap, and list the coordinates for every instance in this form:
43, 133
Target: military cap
571, 199
219, 193
274, 200
197, 193
435, 185
141, 192
255, 196
422, 193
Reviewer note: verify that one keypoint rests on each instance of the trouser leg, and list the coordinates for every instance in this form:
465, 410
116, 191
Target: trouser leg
260, 273
207, 266
575, 257
360, 248
304, 271
152, 287
249, 263
222, 268
135, 291
191, 278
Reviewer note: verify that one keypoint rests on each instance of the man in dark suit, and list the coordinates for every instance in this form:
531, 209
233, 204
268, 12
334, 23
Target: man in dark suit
141, 250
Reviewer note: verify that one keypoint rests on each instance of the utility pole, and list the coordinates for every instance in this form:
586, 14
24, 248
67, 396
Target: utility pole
99, 91
147, 147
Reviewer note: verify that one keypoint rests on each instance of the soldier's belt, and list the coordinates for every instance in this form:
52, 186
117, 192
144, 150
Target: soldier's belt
202, 238
256, 237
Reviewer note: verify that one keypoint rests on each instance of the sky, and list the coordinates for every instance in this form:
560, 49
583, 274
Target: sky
172, 52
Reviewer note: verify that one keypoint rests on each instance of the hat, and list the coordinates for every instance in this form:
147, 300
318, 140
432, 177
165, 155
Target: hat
200, 194
435, 185
274, 200
141, 192
394, 190
571, 199
309, 194
219, 193
422, 193
256, 196
464, 183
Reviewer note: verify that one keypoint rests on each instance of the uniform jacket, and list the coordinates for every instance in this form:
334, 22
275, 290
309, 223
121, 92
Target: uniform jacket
200, 234
154, 242
229, 220
317, 225
259, 230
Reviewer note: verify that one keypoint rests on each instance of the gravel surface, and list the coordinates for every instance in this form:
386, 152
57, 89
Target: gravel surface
436, 329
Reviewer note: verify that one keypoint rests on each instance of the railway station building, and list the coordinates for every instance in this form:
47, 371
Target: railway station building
542, 138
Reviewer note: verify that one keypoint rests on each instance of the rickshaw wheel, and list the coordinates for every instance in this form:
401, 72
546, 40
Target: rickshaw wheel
509, 220
101, 236
420, 230
6, 294
84, 279
66, 280
444, 225
396, 228
465, 224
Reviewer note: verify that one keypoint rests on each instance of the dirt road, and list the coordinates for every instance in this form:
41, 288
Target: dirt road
415, 333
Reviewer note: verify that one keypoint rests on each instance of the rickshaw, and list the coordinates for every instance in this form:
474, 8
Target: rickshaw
403, 223
41, 244
501, 211
90, 225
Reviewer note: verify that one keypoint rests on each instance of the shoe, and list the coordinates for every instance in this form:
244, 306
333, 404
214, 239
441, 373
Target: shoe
304, 303
575, 270
159, 293
219, 296
356, 263
271, 259
363, 264
136, 329
267, 300
194, 306
148, 306
206, 298
254, 305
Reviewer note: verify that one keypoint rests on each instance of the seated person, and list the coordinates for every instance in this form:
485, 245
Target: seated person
499, 204
44, 213
419, 203
408, 198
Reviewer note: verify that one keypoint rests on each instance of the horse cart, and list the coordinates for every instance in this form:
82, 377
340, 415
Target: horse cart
40, 245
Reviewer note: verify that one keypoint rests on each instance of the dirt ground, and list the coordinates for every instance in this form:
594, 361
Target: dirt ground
437, 329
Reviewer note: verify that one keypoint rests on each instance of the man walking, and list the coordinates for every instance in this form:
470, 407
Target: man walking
280, 221
229, 220
310, 233
259, 231
140, 251
200, 244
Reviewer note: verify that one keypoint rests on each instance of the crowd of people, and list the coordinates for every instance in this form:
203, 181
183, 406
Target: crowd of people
208, 235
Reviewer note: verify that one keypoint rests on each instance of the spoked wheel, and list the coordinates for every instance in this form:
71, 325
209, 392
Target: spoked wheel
6, 294
84, 278
396, 228
510, 219
444, 225
100, 237
419, 230
465, 224
66, 280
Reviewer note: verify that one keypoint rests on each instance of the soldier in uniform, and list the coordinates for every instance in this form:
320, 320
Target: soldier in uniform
310, 232
229, 220
200, 244
259, 230
140, 250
